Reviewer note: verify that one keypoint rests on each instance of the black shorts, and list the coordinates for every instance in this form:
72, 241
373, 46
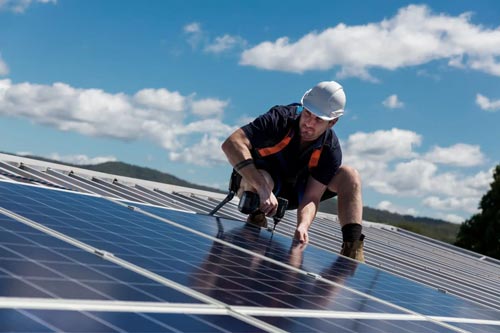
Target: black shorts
295, 192
292, 191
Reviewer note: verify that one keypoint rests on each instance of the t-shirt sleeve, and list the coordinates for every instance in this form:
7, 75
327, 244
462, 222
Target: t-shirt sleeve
267, 128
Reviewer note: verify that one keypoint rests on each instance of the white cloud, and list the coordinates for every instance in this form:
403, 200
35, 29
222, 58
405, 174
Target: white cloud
407, 178
209, 107
4, 69
486, 104
478, 183
412, 37
389, 165
466, 204
461, 155
393, 102
347, 71
450, 218
81, 159
198, 37
212, 126
383, 145
225, 43
207, 152
24, 153
195, 34
78, 159
161, 99
419, 178
157, 115
192, 28
390, 207
19, 6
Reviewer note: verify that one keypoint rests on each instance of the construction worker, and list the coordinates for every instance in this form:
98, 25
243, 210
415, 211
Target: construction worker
292, 152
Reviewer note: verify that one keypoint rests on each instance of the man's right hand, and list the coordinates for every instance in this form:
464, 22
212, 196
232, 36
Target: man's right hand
268, 202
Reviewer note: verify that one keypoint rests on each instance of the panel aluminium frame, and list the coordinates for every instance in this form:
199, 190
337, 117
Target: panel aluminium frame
27, 175
99, 185
126, 191
49, 178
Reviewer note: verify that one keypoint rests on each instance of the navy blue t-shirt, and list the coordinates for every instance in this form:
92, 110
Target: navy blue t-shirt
290, 165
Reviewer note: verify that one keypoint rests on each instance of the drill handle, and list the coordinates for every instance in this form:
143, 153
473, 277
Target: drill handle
282, 205
249, 203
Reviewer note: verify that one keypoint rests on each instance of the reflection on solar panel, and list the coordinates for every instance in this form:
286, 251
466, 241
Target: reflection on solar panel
80, 262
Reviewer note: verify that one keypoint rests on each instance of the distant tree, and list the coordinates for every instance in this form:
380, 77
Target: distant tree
481, 233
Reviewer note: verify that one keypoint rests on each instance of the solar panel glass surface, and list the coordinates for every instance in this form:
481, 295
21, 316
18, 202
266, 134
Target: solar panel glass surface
233, 276
369, 280
353, 325
232, 263
18, 321
34, 264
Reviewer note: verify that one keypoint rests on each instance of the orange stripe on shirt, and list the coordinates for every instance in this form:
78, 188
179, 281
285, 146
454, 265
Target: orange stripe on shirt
263, 152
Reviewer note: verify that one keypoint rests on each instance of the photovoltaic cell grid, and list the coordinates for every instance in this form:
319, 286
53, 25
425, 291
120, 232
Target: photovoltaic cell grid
217, 268
76, 321
369, 280
469, 279
168, 251
34, 264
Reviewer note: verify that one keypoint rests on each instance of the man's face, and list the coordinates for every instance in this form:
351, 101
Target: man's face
311, 126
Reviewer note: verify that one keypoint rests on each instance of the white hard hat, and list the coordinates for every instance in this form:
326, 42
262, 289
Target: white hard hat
326, 100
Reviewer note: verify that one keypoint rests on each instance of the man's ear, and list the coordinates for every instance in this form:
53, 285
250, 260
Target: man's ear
333, 122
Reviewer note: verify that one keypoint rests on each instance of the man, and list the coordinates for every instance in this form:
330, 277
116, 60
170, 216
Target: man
292, 152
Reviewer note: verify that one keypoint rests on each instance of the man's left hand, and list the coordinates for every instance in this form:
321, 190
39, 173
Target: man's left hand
301, 234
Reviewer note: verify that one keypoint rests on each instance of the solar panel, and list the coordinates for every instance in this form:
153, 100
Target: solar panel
34, 264
249, 279
366, 279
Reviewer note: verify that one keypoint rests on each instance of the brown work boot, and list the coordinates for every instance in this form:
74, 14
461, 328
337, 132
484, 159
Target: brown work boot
354, 249
257, 219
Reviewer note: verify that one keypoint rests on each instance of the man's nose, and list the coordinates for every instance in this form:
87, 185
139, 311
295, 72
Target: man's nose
309, 122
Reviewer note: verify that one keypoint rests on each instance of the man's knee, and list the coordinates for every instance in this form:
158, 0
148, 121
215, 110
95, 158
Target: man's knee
353, 176
346, 179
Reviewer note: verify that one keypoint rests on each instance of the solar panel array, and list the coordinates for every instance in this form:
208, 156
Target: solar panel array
86, 252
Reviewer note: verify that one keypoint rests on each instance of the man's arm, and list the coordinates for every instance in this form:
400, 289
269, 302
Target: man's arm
308, 207
237, 148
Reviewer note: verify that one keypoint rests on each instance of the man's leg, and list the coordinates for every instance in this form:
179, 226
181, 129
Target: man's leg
347, 184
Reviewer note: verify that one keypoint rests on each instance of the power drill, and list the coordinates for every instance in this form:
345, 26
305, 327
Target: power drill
249, 203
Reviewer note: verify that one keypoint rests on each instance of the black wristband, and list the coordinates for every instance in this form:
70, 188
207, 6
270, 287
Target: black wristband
242, 164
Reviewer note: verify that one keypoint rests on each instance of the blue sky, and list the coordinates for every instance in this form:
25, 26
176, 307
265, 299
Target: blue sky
162, 83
